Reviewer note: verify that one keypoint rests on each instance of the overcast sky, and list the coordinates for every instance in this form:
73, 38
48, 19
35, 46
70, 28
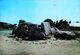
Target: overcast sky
36, 11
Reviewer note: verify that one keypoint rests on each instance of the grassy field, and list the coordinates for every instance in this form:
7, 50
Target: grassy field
5, 32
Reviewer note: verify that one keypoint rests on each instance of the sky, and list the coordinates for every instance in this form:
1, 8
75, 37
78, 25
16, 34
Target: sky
36, 11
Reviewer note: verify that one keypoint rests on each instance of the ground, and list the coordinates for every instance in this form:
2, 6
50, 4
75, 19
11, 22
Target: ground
8, 46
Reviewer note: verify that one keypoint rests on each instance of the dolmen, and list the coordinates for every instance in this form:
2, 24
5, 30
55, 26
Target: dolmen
28, 31
64, 35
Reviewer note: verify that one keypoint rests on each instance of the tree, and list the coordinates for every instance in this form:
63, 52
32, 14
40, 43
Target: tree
62, 24
69, 22
50, 21
77, 22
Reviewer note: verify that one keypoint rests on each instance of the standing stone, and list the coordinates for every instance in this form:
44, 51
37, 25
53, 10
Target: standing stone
46, 28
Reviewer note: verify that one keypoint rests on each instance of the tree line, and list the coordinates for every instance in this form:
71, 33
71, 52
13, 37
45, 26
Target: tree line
62, 24
4, 25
